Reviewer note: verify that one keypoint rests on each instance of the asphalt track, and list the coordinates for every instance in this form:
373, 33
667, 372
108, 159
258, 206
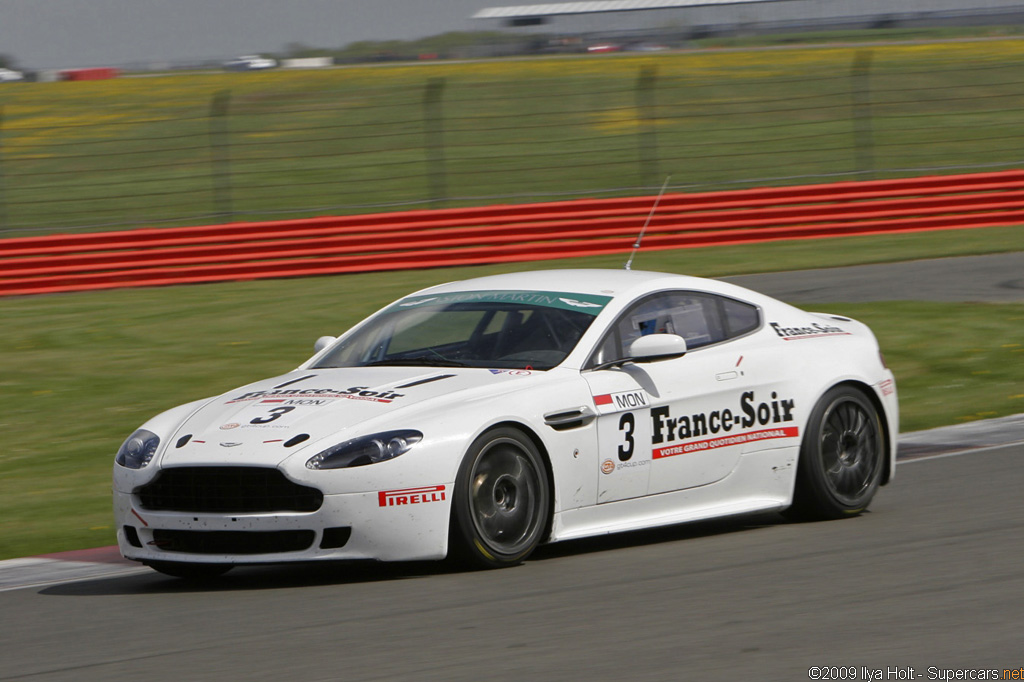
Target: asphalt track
997, 278
929, 579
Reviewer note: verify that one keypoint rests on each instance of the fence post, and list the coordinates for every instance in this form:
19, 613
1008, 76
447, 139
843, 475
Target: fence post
3, 195
220, 158
647, 143
863, 135
433, 128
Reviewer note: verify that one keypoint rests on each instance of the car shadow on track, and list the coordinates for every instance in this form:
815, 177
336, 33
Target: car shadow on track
289, 576
247, 578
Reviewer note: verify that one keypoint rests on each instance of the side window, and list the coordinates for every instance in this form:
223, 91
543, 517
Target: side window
694, 317
740, 318
701, 319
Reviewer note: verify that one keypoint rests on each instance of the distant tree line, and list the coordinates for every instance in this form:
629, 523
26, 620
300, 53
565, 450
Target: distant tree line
450, 45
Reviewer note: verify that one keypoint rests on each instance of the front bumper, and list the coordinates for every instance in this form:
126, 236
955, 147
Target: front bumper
398, 525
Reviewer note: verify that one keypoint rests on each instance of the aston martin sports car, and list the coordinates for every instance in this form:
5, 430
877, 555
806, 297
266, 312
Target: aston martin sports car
479, 419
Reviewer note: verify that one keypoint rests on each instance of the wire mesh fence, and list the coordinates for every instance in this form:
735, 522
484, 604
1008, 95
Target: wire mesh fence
191, 149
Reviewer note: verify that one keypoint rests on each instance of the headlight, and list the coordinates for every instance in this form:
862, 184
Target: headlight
378, 447
138, 450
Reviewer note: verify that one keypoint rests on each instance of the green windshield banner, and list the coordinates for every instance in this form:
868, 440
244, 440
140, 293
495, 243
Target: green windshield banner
581, 303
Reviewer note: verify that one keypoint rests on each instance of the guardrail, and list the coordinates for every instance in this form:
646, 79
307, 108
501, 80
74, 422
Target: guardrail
505, 233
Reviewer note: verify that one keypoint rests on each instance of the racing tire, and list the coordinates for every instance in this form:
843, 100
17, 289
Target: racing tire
841, 457
189, 571
501, 504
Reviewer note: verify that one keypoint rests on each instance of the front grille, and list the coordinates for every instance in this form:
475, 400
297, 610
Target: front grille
227, 490
232, 541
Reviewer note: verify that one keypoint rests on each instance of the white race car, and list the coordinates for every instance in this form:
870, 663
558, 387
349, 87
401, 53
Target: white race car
481, 418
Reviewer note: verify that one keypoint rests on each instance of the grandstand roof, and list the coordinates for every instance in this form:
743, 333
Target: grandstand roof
595, 6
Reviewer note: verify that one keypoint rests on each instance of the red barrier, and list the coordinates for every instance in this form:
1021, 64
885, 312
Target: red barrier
504, 233
90, 74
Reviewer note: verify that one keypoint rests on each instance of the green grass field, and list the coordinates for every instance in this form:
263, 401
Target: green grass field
139, 151
79, 372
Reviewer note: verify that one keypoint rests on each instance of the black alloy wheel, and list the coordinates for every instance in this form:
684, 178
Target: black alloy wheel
502, 500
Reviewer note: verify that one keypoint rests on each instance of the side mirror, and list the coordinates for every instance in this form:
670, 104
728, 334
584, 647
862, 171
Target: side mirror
323, 342
657, 347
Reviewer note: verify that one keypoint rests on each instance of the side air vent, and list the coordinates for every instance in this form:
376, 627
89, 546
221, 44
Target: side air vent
569, 419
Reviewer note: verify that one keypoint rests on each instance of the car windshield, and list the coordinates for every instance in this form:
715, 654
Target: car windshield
493, 329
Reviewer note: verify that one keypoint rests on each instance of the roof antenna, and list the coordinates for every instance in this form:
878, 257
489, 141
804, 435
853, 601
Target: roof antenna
639, 238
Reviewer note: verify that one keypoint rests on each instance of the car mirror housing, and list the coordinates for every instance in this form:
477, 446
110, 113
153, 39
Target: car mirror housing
657, 347
323, 342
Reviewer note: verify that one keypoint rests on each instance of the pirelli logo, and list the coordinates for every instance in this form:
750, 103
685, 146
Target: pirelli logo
398, 498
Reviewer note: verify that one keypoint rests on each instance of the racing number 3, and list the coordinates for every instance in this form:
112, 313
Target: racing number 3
627, 424
275, 413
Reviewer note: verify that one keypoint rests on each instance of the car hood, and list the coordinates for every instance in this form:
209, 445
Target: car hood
268, 421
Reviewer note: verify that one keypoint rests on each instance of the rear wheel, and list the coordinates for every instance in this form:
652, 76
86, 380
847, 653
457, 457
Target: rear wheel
841, 457
502, 501
189, 571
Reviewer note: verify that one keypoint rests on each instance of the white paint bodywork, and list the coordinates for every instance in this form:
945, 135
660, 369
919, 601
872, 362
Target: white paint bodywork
726, 472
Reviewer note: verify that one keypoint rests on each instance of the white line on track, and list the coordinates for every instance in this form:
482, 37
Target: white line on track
957, 453
18, 574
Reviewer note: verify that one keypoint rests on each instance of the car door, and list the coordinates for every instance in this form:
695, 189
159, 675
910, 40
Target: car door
622, 399
692, 428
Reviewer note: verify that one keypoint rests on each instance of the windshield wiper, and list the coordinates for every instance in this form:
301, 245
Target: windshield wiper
417, 362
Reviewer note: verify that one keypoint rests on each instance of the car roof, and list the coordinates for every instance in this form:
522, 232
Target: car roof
592, 281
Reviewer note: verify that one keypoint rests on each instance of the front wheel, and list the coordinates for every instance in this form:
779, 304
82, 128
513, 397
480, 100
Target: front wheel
502, 501
841, 457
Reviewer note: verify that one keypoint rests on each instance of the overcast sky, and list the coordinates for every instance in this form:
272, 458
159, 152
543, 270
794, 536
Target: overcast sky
67, 33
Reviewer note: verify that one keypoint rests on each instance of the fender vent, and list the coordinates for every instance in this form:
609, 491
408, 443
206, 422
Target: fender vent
569, 419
